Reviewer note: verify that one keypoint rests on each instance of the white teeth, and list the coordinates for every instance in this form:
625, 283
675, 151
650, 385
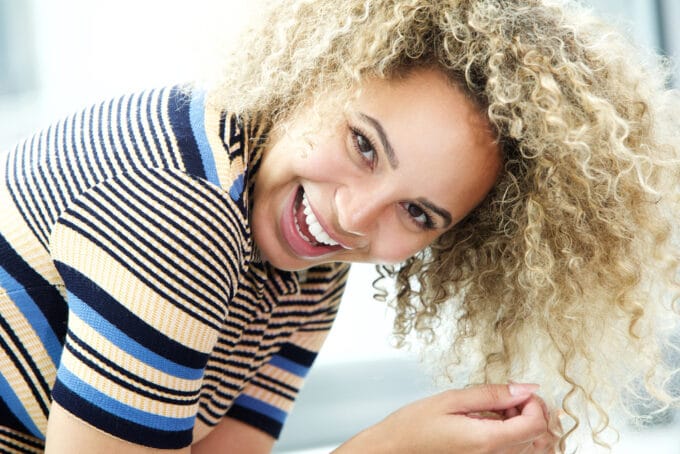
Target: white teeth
314, 226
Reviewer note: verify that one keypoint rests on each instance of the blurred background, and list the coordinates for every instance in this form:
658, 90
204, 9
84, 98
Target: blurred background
57, 57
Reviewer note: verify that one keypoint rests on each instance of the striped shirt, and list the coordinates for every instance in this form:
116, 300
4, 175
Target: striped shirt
130, 291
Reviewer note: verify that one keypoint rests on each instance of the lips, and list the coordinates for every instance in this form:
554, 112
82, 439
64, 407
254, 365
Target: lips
302, 230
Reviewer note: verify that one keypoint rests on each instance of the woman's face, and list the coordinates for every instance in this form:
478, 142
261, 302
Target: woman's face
409, 159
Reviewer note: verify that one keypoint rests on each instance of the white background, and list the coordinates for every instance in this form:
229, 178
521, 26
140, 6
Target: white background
83, 51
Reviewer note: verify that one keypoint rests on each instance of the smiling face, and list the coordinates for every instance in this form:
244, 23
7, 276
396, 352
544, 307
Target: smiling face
409, 159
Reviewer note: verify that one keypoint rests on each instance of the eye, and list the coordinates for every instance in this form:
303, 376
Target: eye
419, 216
364, 147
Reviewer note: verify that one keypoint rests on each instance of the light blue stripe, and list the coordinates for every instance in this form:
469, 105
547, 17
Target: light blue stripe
129, 345
289, 366
17, 408
117, 408
197, 116
237, 188
261, 407
33, 314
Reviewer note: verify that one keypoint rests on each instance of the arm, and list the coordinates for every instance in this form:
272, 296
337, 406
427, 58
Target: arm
65, 431
234, 437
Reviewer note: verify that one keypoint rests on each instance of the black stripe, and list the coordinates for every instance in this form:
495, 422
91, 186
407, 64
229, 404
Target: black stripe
17, 348
122, 130
117, 314
164, 129
132, 378
158, 210
17, 194
128, 384
260, 383
179, 108
117, 426
135, 239
110, 150
257, 420
97, 141
140, 138
9, 419
297, 354
46, 296
79, 155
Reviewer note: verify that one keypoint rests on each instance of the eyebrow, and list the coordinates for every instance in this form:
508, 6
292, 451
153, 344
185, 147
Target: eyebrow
389, 151
440, 211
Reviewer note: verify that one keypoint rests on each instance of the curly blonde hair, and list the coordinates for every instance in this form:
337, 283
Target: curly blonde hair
563, 272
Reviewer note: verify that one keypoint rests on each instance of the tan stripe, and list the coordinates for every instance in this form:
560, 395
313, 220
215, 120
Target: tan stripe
81, 254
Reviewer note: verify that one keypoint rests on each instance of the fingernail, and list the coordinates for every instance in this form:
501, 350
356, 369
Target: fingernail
522, 389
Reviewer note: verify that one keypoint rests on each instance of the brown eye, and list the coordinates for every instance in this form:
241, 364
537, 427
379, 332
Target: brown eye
418, 215
364, 147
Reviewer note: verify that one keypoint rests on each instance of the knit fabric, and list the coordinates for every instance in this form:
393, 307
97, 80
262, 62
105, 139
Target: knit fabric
129, 288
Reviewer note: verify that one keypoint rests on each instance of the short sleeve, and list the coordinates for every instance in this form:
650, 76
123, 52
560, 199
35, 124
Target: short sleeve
270, 395
148, 261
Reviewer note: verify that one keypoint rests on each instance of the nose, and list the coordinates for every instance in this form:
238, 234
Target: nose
358, 209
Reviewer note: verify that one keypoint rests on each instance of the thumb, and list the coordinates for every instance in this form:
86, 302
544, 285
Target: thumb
489, 397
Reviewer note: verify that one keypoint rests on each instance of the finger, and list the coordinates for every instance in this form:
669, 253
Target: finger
488, 397
528, 426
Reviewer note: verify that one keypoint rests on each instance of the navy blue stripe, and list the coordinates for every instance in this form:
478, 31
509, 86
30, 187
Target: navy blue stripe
116, 426
97, 140
45, 209
45, 295
179, 107
163, 128
140, 139
255, 419
52, 205
191, 397
111, 151
222, 211
120, 130
109, 308
79, 155
17, 194
150, 139
189, 193
158, 235
17, 348
257, 381
71, 154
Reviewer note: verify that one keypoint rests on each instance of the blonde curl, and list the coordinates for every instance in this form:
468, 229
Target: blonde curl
564, 270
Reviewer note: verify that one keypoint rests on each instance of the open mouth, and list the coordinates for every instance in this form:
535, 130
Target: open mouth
302, 230
308, 226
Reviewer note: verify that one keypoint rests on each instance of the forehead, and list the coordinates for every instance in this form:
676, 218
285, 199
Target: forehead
443, 140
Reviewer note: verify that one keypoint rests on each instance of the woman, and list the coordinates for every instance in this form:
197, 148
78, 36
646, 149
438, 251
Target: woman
172, 260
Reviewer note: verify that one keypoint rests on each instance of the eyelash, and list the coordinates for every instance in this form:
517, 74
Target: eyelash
428, 224
356, 133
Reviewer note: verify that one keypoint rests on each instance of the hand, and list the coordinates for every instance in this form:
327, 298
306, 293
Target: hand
489, 419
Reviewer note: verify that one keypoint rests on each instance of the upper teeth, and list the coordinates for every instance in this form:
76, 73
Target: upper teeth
314, 226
